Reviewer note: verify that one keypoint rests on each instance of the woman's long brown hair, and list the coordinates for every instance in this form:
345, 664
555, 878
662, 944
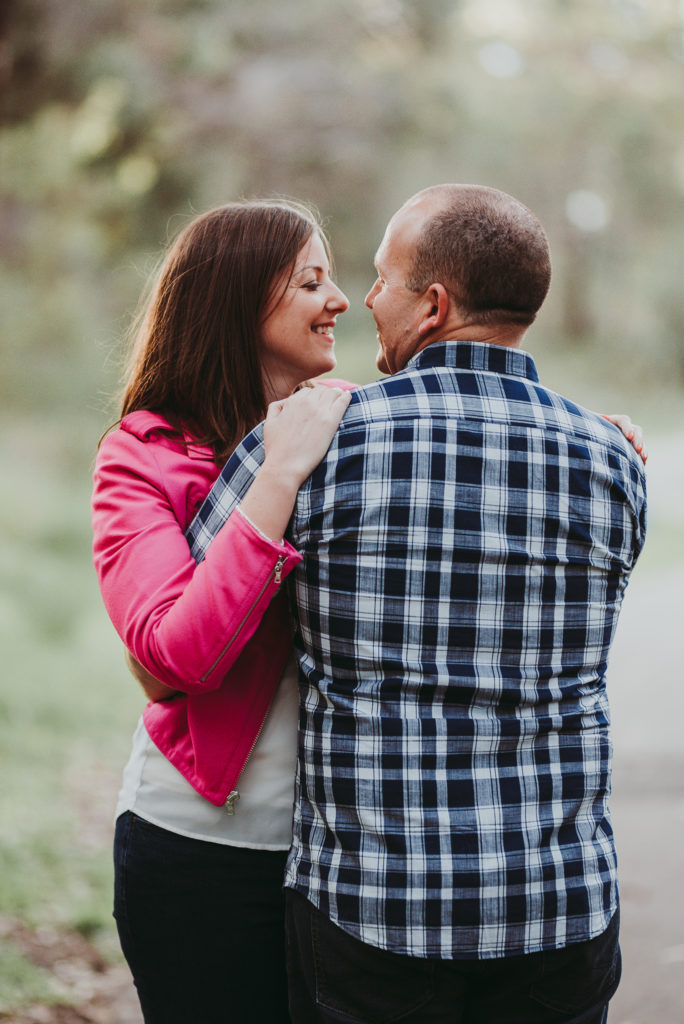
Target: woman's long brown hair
196, 351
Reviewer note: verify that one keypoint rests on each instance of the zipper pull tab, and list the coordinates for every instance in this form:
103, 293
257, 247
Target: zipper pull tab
278, 572
233, 798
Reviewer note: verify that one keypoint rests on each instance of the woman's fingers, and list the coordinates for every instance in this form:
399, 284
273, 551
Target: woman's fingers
632, 431
313, 403
299, 429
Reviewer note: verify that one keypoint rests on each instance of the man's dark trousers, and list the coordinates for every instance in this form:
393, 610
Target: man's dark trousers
335, 978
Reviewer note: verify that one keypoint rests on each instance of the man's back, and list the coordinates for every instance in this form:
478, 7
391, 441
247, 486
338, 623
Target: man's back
467, 542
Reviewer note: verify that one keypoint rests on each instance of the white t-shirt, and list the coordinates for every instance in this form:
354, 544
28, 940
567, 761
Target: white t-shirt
157, 792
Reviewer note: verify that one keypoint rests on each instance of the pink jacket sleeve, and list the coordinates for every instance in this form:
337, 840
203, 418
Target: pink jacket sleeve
185, 623
336, 382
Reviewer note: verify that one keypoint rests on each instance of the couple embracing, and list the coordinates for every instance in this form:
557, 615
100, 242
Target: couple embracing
400, 596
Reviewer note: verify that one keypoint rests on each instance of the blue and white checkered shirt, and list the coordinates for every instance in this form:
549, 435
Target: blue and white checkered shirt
467, 543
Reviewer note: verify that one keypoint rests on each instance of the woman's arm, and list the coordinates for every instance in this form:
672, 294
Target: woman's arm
297, 434
151, 687
186, 623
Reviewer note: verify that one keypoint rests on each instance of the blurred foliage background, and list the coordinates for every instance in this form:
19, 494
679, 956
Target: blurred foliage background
122, 119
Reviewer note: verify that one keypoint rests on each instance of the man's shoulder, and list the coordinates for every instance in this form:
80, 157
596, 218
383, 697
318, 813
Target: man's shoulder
403, 382
514, 402
587, 424
383, 397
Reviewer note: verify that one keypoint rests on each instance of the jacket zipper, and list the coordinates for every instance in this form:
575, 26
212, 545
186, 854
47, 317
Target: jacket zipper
234, 794
233, 798
276, 575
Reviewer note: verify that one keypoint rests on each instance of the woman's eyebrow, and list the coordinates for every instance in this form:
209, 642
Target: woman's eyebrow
310, 266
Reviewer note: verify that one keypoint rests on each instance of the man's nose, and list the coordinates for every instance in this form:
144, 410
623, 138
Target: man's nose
370, 298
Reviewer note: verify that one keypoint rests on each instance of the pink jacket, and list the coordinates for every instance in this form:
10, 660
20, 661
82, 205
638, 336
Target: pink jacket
218, 631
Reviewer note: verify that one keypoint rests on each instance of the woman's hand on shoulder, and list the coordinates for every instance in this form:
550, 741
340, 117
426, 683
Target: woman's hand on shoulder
297, 434
632, 431
298, 430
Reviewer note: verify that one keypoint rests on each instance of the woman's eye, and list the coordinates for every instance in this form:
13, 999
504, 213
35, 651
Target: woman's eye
312, 286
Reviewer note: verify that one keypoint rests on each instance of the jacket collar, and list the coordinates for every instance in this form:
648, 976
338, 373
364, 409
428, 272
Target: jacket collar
148, 425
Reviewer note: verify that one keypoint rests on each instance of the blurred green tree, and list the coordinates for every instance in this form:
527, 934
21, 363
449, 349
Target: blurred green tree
122, 119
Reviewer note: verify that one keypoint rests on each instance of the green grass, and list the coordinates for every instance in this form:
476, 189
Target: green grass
67, 705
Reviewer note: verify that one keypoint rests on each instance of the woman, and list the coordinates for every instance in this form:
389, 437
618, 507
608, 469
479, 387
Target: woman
242, 312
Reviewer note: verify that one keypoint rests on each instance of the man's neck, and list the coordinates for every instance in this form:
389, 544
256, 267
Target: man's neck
490, 334
487, 334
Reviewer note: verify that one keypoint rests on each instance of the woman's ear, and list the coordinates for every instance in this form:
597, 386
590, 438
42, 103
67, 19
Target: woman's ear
437, 301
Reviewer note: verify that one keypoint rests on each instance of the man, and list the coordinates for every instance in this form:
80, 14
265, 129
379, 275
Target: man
467, 542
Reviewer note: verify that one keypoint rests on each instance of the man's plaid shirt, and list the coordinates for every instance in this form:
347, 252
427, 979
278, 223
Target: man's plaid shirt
467, 542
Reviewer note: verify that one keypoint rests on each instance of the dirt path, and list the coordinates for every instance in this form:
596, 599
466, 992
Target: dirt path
647, 697
91, 990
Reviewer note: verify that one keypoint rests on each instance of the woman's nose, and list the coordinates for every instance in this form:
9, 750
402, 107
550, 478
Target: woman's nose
338, 299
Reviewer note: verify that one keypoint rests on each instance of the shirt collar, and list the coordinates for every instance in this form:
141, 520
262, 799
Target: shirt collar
476, 355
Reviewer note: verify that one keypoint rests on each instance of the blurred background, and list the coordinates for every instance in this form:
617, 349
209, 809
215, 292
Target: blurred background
122, 119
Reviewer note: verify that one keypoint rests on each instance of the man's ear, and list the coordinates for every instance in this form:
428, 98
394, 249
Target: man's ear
437, 302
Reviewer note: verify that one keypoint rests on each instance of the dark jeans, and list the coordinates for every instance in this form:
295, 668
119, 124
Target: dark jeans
201, 926
334, 977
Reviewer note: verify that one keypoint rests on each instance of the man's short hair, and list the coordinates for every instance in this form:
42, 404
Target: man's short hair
489, 251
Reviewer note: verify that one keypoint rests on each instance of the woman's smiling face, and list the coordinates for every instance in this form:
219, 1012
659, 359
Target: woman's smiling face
297, 339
